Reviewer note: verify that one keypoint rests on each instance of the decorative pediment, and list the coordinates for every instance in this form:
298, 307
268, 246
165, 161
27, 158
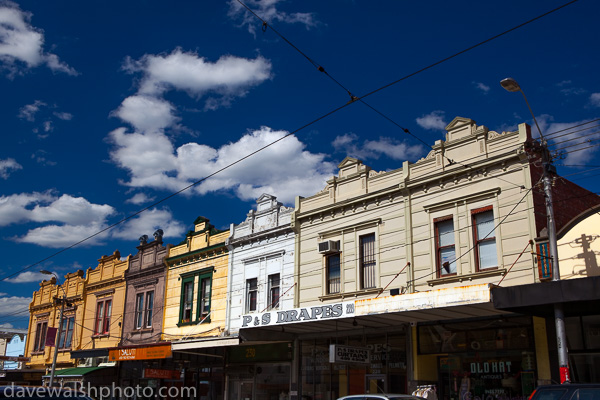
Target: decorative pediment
350, 166
348, 161
459, 128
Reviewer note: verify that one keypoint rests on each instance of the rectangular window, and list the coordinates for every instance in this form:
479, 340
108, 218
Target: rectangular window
204, 298
149, 309
485, 239
187, 299
367, 261
139, 310
333, 273
274, 291
66, 333
103, 311
444, 246
40, 336
252, 294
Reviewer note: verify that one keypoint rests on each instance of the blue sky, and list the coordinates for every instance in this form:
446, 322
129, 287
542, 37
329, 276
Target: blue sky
108, 107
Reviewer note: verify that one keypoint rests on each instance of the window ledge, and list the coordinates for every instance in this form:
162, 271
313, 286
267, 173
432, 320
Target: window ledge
100, 335
342, 296
206, 321
37, 353
142, 330
468, 277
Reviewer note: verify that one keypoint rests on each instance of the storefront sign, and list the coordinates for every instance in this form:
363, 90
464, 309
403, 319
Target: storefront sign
260, 353
140, 353
161, 373
348, 355
15, 359
490, 367
307, 314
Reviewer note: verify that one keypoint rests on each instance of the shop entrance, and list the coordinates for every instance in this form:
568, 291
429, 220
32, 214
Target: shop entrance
241, 390
375, 384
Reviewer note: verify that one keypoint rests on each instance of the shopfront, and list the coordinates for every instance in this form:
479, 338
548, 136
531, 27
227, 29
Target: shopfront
259, 371
363, 363
481, 359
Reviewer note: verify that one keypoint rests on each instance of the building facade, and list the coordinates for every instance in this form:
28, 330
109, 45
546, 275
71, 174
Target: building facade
261, 278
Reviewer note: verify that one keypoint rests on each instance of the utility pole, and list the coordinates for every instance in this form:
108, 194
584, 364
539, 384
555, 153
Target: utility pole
559, 316
63, 301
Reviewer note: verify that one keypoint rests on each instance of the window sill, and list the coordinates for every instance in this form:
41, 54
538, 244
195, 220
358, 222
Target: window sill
469, 277
142, 330
342, 296
64, 350
100, 335
206, 321
37, 353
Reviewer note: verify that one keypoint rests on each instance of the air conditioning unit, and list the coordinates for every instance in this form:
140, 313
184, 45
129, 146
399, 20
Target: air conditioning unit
329, 246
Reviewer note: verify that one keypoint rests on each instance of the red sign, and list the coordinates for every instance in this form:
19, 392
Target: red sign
161, 373
51, 337
564, 375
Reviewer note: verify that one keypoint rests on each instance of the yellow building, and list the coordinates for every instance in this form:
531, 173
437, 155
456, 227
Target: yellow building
104, 303
44, 312
196, 302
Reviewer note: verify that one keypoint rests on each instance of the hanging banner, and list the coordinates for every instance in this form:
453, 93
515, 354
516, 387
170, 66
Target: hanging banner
51, 337
348, 355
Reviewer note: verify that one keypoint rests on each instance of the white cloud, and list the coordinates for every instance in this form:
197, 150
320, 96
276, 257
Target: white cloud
28, 111
9, 305
65, 116
389, 147
482, 86
22, 44
57, 236
147, 223
7, 326
595, 99
285, 169
28, 277
139, 198
8, 166
267, 10
146, 113
433, 121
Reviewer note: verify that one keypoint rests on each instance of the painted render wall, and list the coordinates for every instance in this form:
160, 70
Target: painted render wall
260, 246
399, 207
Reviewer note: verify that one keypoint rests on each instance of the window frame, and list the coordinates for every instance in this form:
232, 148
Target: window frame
148, 309
365, 264
139, 311
476, 242
39, 344
251, 295
203, 310
102, 323
64, 340
274, 291
438, 248
328, 274
182, 309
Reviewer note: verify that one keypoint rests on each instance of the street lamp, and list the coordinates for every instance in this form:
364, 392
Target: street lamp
60, 323
511, 85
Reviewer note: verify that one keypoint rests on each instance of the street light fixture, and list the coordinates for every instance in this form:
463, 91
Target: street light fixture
60, 324
511, 85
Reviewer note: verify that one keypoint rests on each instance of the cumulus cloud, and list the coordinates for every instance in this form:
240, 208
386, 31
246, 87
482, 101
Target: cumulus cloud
8, 166
9, 305
148, 222
482, 86
433, 121
267, 10
595, 99
29, 111
139, 198
28, 277
21, 44
284, 169
389, 147
146, 113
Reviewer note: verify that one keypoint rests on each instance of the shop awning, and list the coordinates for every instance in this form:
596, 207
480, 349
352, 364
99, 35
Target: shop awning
385, 313
580, 296
204, 343
89, 353
74, 372
153, 351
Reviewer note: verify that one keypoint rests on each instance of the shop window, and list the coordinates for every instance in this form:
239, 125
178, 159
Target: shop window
66, 333
445, 246
251, 294
333, 273
187, 299
205, 283
367, 261
103, 311
485, 239
274, 291
40, 336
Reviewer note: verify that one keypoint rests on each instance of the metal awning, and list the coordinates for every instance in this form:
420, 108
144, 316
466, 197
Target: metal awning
389, 313
74, 372
580, 296
204, 343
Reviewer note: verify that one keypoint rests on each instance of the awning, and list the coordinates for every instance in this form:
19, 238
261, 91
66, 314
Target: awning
140, 352
580, 296
385, 313
74, 372
89, 353
204, 343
